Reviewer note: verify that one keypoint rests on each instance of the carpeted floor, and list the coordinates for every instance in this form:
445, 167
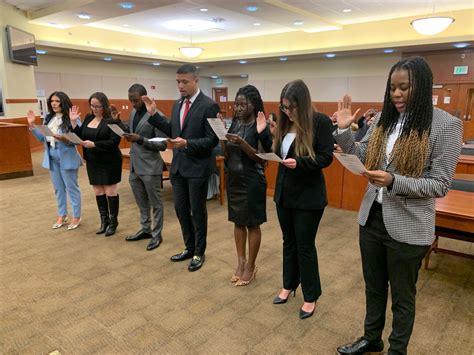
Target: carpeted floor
78, 293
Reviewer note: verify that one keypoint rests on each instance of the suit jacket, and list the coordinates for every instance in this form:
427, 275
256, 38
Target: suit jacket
304, 187
145, 158
106, 142
409, 206
70, 158
195, 160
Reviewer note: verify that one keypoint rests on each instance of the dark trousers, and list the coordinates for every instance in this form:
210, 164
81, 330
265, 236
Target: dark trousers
300, 260
384, 261
190, 205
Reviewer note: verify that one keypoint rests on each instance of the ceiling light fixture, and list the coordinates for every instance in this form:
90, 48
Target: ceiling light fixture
107, 59
430, 26
84, 16
191, 51
41, 51
242, 61
283, 59
251, 8
204, 9
214, 76
347, 10
298, 23
257, 24
389, 50
330, 55
243, 75
156, 64
126, 5
461, 45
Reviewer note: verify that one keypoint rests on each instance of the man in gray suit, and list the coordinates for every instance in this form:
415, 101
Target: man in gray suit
146, 167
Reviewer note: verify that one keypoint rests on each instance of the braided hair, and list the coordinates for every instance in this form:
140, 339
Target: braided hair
252, 95
65, 104
410, 149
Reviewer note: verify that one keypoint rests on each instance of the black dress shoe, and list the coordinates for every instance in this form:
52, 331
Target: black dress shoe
278, 300
196, 263
304, 314
185, 254
138, 236
154, 242
360, 346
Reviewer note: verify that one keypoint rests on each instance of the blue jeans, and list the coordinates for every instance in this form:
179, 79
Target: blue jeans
64, 183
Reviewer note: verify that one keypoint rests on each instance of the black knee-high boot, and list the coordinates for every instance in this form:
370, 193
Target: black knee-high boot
113, 212
103, 207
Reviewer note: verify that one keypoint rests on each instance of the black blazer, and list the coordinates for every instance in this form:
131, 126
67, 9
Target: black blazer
106, 141
304, 187
195, 160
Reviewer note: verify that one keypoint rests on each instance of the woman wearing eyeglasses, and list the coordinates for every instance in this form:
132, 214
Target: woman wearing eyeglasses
304, 141
104, 160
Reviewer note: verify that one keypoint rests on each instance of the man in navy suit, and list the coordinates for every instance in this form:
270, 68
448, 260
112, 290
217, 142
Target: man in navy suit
193, 141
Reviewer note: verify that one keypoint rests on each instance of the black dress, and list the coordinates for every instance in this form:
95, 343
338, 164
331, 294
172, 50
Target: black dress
104, 162
246, 184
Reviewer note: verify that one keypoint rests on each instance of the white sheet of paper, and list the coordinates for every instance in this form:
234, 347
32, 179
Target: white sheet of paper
269, 156
351, 162
45, 131
117, 130
158, 139
73, 138
218, 127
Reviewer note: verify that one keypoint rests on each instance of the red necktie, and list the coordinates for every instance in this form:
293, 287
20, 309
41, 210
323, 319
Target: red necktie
186, 109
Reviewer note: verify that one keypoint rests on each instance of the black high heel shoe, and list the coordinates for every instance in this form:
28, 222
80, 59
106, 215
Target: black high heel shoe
304, 314
278, 300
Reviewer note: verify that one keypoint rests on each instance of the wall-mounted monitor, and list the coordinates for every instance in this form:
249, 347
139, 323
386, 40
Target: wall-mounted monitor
21, 45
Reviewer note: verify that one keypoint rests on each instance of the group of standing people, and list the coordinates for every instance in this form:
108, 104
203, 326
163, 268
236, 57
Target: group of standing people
410, 152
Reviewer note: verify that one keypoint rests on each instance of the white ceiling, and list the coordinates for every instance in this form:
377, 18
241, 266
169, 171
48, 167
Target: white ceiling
149, 17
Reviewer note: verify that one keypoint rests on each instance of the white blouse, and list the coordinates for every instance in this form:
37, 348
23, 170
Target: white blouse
286, 144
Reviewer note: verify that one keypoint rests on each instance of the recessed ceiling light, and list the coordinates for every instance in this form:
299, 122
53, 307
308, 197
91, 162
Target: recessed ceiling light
126, 25
127, 5
298, 23
203, 9
84, 16
216, 29
330, 55
257, 24
283, 59
41, 51
251, 8
156, 64
243, 75
242, 61
346, 10
107, 59
188, 24
461, 45
389, 50
214, 76
58, 25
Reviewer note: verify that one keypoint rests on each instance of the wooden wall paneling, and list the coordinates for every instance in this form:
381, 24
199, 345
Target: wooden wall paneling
271, 172
353, 190
15, 156
334, 175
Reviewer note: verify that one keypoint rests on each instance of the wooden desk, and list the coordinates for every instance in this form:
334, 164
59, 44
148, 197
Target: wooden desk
466, 177
455, 220
465, 164
15, 156
167, 157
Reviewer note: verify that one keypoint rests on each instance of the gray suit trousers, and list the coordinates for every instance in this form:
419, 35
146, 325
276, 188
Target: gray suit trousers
146, 189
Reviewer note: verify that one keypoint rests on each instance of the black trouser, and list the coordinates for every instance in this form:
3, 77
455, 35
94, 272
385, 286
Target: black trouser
300, 261
190, 205
384, 260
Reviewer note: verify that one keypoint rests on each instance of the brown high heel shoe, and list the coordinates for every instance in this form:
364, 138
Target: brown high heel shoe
234, 278
246, 282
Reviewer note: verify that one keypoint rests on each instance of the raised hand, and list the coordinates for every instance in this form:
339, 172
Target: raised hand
74, 114
261, 122
150, 105
30, 116
344, 112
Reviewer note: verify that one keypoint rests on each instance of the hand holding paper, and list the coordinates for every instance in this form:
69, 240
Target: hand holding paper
351, 162
218, 127
269, 156
116, 129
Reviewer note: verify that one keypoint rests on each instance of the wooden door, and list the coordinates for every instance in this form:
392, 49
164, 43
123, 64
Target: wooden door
469, 116
446, 98
220, 96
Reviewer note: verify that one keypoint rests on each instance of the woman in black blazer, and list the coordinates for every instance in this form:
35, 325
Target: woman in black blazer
304, 141
104, 160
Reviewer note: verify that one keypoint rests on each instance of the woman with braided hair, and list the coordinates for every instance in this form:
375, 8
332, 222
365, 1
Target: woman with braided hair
410, 153
246, 184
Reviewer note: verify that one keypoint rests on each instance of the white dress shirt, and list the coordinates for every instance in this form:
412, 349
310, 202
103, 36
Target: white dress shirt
286, 144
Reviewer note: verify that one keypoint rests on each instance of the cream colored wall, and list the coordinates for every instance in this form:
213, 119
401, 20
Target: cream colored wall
79, 78
364, 77
17, 79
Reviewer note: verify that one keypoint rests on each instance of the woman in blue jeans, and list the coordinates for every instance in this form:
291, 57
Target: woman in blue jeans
60, 156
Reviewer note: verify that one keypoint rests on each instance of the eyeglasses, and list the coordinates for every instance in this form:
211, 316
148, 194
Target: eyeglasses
286, 109
96, 107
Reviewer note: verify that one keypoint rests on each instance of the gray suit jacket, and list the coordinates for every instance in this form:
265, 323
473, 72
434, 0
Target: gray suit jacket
409, 206
145, 158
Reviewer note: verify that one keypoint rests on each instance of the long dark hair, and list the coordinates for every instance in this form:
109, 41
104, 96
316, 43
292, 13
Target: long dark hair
410, 150
65, 104
297, 93
104, 101
252, 95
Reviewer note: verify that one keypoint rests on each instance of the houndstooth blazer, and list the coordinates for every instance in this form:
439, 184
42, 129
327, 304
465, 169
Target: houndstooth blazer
409, 206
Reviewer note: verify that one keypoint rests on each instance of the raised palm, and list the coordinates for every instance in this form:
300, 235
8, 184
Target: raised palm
150, 104
30, 116
74, 113
261, 122
344, 112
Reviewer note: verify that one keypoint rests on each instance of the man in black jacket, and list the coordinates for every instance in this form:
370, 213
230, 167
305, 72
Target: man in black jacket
193, 141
